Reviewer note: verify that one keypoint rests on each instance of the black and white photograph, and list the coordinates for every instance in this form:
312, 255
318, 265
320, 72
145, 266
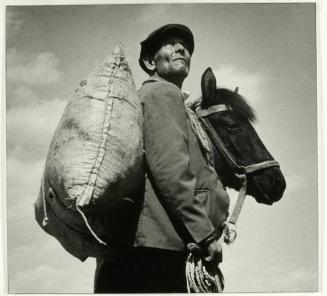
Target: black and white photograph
165, 147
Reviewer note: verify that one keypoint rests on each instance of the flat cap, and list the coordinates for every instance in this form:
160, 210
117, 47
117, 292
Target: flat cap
152, 43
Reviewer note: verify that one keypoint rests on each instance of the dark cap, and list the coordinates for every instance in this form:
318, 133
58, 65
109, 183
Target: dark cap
152, 43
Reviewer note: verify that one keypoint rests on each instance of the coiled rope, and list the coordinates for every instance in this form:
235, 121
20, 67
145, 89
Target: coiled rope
199, 279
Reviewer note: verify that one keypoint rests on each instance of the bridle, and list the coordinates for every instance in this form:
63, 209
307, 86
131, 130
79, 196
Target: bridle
219, 144
240, 172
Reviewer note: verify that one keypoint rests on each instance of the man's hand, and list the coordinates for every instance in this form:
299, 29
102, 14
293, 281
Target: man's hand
214, 254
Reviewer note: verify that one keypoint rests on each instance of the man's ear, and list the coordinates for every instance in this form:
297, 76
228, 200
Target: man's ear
149, 63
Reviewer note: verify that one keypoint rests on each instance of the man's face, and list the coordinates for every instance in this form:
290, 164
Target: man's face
173, 58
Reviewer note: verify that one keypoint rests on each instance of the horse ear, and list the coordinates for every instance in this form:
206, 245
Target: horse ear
208, 86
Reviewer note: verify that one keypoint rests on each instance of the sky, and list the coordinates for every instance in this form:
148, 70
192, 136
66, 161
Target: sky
268, 50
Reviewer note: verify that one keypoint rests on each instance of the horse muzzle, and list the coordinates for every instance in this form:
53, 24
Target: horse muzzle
267, 186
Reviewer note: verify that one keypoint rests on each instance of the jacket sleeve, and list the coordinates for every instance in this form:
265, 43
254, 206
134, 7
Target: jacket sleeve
167, 156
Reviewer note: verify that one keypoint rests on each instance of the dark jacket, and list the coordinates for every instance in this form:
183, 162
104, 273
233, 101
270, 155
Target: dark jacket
184, 200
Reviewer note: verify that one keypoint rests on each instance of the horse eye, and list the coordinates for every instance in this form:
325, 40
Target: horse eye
233, 127
232, 124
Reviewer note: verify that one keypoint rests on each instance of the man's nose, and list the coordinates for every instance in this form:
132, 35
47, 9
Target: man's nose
179, 48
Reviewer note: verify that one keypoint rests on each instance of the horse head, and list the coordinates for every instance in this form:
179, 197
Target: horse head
238, 150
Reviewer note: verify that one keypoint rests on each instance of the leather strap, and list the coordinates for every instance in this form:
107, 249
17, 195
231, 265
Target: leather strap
211, 110
218, 143
260, 166
240, 201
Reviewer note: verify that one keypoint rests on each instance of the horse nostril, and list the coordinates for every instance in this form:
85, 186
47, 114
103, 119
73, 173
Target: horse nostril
279, 183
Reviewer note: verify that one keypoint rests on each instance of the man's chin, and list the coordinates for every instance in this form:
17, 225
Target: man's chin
181, 72
177, 74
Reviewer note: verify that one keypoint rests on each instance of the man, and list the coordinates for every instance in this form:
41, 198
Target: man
184, 201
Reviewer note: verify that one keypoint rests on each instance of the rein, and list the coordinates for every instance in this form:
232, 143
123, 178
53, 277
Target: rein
240, 172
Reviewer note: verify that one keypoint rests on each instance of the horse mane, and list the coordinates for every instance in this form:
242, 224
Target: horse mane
236, 102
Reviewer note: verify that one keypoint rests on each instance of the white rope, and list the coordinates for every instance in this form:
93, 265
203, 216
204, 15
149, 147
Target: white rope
229, 233
45, 217
198, 130
89, 227
199, 279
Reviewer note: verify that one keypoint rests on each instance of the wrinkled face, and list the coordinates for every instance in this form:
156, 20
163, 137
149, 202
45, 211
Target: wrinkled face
173, 58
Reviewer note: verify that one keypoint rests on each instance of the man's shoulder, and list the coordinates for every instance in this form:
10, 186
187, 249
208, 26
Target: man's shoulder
159, 88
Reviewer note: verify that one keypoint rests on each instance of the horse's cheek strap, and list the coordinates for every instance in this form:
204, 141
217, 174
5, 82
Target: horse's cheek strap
230, 226
219, 144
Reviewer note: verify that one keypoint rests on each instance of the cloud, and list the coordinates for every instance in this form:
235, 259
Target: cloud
40, 70
21, 174
45, 279
289, 280
154, 12
21, 198
20, 95
248, 83
37, 262
30, 76
31, 122
266, 278
23, 183
33, 270
42, 245
29, 132
31, 127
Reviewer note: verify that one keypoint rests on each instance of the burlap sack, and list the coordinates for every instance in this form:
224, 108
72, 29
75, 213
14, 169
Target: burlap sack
95, 160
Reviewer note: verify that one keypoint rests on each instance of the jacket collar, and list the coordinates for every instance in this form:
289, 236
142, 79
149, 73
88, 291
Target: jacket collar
185, 93
153, 79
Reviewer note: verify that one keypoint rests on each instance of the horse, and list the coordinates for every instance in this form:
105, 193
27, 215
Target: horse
241, 160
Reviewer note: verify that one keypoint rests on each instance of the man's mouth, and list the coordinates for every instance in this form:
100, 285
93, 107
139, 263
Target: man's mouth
180, 59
